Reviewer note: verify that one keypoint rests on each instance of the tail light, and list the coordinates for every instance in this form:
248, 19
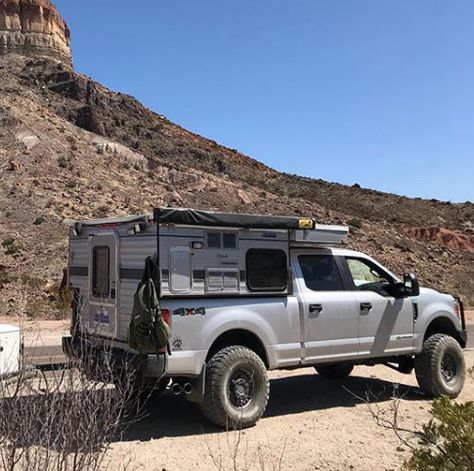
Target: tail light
166, 315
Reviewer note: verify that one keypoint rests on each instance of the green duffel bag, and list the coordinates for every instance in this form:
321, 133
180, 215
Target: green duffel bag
148, 332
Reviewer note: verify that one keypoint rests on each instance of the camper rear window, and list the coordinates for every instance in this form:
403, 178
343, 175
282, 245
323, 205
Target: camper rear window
267, 270
100, 271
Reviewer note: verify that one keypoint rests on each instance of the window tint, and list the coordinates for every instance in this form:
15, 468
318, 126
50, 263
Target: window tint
219, 240
267, 270
320, 273
180, 280
214, 240
100, 271
230, 241
369, 277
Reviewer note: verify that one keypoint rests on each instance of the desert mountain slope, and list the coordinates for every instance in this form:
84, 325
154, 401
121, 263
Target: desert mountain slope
70, 148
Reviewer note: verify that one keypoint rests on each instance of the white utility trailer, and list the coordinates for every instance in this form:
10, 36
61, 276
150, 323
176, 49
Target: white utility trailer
10, 350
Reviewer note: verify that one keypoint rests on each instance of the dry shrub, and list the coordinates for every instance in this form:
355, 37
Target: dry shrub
234, 455
444, 443
64, 420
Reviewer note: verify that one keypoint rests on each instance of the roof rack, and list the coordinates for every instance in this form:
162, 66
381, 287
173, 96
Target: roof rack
321, 234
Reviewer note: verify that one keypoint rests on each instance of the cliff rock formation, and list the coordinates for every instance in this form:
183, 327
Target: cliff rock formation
33, 27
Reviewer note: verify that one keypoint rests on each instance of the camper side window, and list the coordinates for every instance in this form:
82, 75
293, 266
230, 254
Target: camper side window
219, 240
267, 270
100, 271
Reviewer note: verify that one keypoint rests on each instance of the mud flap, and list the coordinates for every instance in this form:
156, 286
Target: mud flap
199, 387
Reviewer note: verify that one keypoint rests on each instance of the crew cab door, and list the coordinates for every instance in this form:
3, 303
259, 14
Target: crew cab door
103, 284
328, 313
386, 323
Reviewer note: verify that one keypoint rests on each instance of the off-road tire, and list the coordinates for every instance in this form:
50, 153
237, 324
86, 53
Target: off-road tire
234, 375
440, 368
334, 371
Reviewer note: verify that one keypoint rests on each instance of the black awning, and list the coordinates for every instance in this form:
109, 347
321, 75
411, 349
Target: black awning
193, 217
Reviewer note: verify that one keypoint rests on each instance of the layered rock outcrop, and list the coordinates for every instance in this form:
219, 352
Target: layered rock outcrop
33, 27
445, 237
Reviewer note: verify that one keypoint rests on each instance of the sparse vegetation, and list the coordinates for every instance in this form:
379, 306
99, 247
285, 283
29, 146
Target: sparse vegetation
62, 161
11, 246
101, 212
39, 220
65, 161
63, 421
5, 277
355, 223
446, 442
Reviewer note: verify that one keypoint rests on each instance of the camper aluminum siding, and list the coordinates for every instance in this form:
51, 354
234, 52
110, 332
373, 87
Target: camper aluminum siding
195, 261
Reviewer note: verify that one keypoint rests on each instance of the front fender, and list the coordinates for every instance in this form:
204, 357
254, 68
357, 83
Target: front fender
430, 312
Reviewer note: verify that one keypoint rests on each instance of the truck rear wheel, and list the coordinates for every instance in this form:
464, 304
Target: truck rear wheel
440, 368
237, 388
334, 371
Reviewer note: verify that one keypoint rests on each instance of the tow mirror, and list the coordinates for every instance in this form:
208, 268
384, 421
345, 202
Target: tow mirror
399, 290
412, 284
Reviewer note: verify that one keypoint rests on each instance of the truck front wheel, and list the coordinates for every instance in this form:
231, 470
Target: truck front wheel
440, 368
237, 388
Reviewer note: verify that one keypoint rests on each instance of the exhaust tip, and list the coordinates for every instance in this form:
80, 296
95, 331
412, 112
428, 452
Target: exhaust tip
188, 388
176, 389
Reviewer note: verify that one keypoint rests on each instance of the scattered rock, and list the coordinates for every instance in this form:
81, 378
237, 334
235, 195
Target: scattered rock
244, 197
28, 139
14, 166
123, 153
468, 227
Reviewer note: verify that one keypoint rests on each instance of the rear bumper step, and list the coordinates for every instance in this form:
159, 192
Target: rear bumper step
98, 356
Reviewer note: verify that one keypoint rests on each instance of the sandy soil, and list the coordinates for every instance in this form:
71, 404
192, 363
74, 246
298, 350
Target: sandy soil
470, 316
40, 328
314, 424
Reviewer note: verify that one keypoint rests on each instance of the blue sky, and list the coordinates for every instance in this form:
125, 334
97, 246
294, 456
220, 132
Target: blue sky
375, 92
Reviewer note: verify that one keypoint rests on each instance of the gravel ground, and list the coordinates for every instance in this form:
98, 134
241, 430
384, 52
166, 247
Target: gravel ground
310, 423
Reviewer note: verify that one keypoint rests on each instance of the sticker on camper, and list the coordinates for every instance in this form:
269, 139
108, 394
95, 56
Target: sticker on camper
190, 311
102, 316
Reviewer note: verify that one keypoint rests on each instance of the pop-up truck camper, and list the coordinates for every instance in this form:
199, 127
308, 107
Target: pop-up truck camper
244, 294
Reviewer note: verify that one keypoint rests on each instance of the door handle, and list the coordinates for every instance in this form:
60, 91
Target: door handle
315, 308
366, 307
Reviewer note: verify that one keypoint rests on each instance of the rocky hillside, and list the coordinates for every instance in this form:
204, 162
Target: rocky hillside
70, 148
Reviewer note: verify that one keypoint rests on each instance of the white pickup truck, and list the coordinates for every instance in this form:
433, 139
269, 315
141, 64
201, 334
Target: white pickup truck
244, 294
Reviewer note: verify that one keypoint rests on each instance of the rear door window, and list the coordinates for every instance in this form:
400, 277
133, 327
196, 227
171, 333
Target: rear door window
180, 270
101, 271
320, 273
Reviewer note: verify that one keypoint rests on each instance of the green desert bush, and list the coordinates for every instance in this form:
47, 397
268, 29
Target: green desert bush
11, 246
447, 440
355, 223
